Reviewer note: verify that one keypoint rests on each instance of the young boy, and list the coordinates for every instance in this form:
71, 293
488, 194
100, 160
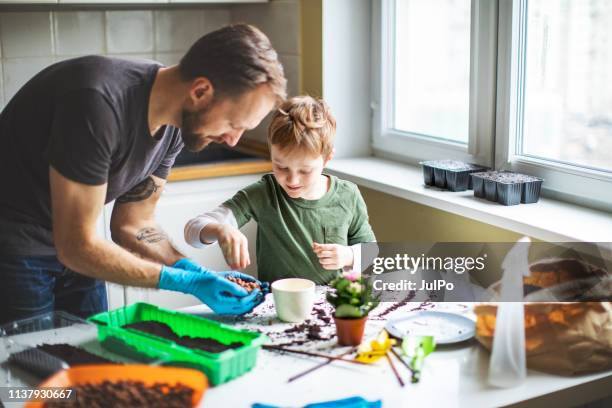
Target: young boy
309, 224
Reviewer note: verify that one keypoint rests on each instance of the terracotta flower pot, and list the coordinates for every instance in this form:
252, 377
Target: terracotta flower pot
350, 331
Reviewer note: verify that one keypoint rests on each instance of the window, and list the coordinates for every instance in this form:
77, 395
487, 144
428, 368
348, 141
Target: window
432, 98
523, 85
554, 119
434, 93
568, 83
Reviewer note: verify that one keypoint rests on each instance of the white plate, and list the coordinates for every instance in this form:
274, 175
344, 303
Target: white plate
446, 328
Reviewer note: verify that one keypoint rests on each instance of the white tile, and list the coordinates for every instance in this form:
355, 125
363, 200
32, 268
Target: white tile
291, 65
177, 30
216, 18
59, 58
26, 34
79, 32
168, 58
279, 20
18, 71
129, 31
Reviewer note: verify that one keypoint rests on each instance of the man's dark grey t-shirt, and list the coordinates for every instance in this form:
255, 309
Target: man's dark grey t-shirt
88, 119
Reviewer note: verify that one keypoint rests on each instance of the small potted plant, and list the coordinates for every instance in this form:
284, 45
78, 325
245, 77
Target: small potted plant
351, 295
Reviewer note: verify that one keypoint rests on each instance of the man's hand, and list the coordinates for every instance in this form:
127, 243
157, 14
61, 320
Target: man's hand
75, 210
333, 256
234, 245
213, 289
191, 265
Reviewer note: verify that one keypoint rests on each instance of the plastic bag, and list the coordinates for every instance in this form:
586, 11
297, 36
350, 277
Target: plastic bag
508, 367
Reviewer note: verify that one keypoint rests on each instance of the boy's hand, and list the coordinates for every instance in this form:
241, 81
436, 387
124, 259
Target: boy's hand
333, 256
235, 247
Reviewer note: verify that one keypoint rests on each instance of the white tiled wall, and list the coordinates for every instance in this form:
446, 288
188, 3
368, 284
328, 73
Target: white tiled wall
280, 20
31, 40
78, 32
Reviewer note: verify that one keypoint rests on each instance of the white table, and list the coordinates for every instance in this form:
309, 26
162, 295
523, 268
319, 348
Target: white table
452, 377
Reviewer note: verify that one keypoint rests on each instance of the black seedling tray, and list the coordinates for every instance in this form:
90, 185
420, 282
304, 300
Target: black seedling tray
450, 175
506, 187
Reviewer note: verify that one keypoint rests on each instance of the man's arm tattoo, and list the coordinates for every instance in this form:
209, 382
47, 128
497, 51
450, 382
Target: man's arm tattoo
142, 191
151, 235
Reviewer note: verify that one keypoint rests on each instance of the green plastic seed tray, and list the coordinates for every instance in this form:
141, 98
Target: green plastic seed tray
219, 367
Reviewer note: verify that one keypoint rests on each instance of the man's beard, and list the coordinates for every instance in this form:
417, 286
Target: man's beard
194, 142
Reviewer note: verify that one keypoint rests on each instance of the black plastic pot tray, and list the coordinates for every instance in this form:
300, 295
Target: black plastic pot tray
506, 187
450, 175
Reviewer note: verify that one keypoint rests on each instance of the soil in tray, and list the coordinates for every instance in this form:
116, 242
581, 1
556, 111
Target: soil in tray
126, 394
46, 359
73, 355
163, 330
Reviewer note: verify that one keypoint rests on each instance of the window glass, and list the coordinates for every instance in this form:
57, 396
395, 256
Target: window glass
568, 82
432, 68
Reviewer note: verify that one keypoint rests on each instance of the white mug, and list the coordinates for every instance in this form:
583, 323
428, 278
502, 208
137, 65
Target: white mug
293, 299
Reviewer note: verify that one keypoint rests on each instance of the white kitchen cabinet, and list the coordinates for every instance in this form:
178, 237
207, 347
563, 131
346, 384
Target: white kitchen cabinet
114, 292
180, 202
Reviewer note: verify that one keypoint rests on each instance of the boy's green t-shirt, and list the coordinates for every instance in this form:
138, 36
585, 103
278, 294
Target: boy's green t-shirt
287, 227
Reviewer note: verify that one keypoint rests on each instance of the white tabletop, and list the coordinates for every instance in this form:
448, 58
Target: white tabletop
452, 377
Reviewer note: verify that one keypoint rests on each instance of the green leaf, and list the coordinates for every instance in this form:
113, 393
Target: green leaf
417, 348
342, 285
413, 345
347, 311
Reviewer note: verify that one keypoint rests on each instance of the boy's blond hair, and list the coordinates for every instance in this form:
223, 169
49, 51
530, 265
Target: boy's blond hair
303, 123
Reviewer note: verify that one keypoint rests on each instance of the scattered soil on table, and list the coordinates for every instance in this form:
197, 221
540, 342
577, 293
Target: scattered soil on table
312, 330
298, 334
306, 332
395, 306
249, 286
423, 306
321, 314
163, 330
127, 394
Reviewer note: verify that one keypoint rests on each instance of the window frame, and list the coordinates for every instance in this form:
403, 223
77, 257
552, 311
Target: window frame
562, 181
387, 142
497, 42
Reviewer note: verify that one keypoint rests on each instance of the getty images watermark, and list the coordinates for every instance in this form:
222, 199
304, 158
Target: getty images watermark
412, 264
471, 272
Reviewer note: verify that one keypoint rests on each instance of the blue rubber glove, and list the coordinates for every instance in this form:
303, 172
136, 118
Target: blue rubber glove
352, 402
221, 295
190, 265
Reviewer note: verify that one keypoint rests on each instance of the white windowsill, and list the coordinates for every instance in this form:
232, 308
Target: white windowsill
548, 220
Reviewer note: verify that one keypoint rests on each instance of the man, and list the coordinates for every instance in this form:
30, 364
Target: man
87, 131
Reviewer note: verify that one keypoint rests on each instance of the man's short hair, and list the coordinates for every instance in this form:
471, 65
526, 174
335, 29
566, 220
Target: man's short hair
235, 59
303, 123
